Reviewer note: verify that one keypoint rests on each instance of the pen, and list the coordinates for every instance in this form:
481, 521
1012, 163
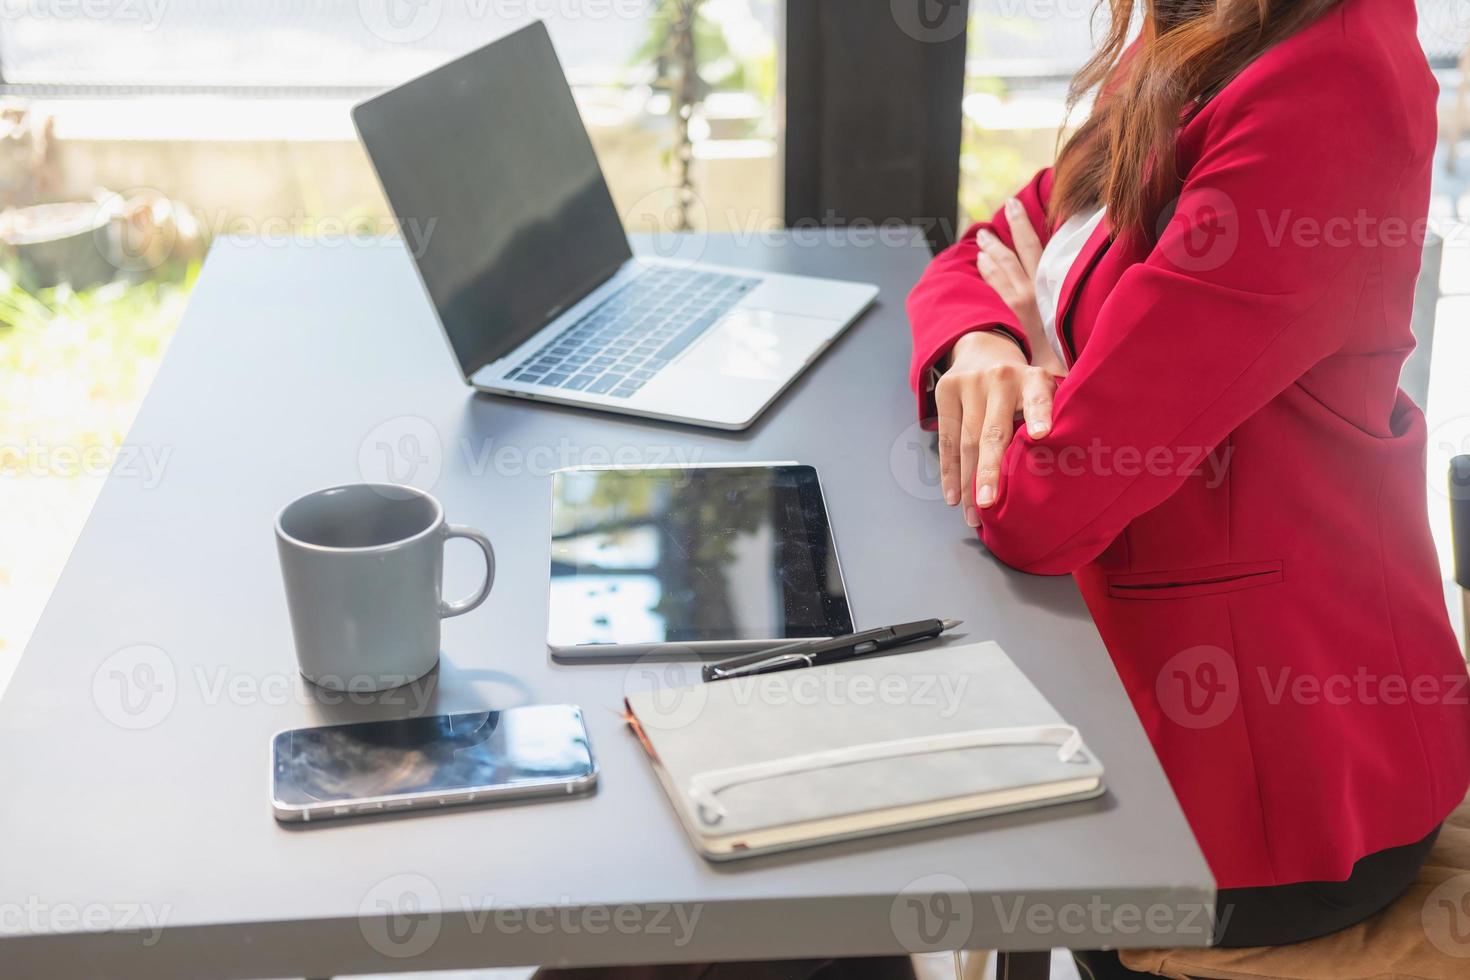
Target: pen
815, 653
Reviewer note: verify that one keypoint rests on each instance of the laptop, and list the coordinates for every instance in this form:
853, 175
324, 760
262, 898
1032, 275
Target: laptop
492, 178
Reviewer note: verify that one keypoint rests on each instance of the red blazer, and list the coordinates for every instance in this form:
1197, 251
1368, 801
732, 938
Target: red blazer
1234, 477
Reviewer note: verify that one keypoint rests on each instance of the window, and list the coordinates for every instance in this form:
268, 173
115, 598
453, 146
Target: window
1022, 53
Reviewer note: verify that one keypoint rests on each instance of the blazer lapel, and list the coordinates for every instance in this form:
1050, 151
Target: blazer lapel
1093, 250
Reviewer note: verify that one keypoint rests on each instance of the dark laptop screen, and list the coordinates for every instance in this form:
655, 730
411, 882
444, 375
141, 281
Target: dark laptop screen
489, 171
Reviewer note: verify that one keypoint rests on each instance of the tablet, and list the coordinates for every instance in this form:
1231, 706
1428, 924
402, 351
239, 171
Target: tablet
690, 560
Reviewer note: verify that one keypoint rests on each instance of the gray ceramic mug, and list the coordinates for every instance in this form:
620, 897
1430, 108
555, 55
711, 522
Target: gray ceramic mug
364, 570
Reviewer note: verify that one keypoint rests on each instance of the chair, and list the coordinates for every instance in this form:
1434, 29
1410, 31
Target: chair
1425, 935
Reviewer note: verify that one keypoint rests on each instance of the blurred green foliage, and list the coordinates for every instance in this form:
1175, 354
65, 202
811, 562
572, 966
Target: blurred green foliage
993, 164
74, 364
722, 66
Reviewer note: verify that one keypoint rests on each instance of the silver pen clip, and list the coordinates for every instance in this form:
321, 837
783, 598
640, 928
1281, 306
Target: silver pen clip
759, 665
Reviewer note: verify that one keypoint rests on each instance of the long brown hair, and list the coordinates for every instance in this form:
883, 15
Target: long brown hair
1187, 51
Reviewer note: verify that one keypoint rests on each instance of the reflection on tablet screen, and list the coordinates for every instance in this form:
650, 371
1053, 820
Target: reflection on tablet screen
692, 555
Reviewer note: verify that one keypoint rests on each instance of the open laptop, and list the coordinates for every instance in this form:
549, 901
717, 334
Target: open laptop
522, 252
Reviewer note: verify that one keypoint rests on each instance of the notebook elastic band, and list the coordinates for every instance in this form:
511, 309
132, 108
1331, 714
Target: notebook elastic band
705, 787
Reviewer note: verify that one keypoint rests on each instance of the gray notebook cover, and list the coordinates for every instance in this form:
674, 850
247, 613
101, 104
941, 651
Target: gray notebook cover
948, 690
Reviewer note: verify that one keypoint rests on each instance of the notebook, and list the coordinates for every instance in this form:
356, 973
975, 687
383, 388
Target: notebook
870, 746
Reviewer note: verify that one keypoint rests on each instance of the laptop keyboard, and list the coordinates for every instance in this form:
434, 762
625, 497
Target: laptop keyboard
619, 346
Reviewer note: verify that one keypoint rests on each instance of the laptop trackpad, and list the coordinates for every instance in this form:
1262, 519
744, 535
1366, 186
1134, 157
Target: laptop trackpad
759, 344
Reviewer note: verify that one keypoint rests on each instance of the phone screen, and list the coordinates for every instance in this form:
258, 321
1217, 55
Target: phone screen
444, 753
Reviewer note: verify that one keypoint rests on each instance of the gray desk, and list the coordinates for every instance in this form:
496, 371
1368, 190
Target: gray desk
134, 737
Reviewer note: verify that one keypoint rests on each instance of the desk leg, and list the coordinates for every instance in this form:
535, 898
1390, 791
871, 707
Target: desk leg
1023, 966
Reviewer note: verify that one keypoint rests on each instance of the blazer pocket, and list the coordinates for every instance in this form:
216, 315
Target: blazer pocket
1186, 583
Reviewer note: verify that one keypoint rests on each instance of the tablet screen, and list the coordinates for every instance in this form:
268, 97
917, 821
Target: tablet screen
692, 555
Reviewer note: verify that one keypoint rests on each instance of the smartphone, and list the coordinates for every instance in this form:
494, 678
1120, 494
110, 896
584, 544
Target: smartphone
428, 763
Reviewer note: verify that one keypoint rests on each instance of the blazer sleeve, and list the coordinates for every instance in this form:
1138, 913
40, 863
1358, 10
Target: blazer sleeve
1231, 307
952, 300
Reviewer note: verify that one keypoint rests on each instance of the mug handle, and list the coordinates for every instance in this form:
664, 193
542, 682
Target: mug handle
461, 606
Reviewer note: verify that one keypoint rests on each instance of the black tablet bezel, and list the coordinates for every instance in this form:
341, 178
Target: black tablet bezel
832, 602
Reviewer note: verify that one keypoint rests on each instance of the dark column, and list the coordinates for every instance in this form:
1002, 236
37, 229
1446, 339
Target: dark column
872, 129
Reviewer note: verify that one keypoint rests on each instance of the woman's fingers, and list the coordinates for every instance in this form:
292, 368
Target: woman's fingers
993, 274
1048, 362
1002, 270
1037, 392
995, 435
971, 428
994, 252
947, 403
977, 399
988, 408
1028, 243
990, 272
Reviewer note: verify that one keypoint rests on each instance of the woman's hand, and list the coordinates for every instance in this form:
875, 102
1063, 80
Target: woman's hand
986, 384
987, 381
1012, 274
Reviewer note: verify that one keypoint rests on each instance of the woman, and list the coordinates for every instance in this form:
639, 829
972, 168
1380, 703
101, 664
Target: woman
1200, 314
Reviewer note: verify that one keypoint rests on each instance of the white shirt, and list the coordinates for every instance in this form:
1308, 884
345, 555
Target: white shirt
1056, 262
1057, 258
